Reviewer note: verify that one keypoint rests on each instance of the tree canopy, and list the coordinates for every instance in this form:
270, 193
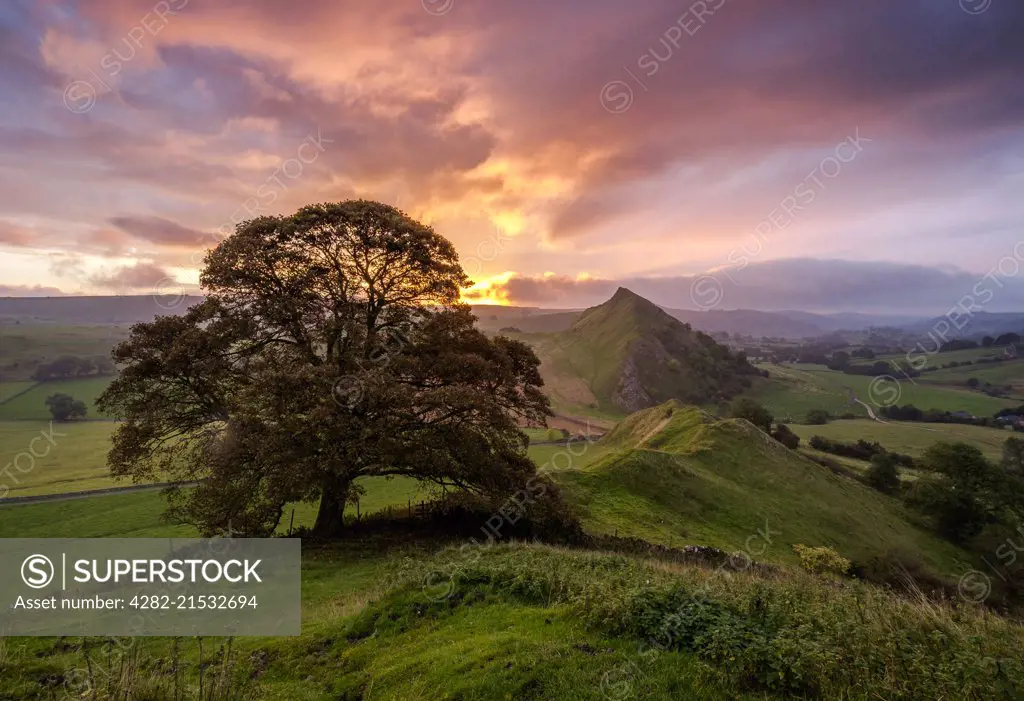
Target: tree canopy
964, 491
331, 346
64, 407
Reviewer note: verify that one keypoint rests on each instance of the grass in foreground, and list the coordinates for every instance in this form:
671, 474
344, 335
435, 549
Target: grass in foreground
535, 622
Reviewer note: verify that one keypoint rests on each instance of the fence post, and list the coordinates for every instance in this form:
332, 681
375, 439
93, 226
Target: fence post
291, 522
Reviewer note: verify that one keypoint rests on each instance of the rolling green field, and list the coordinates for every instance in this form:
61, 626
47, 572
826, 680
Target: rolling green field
537, 622
32, 404
687, 482
909, 437
793, 390
1006, 373
139, 514
10, 389
74, 460
936, 359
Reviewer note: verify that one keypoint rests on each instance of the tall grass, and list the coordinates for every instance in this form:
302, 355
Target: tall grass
117, 669
790, 633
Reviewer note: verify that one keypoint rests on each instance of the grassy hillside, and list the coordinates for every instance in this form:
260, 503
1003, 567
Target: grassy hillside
32, 404
630, 354
793, 390
674, 475
1004, 374
14, 387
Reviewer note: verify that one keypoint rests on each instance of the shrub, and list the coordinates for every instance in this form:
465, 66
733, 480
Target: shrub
818, 417
745, 408
556, 434
823, 560
861, 450
883, 474
784, 435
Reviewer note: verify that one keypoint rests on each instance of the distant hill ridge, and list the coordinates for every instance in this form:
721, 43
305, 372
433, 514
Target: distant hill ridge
128, 309
98, 310
633, 355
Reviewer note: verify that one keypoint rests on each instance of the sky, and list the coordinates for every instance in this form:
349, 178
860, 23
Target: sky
823, 155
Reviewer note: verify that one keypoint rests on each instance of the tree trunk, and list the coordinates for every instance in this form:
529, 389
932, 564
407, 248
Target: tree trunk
330, 519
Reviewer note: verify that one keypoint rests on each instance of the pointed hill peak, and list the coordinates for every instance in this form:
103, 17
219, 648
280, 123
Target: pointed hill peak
632, 354
625, 293
625, 309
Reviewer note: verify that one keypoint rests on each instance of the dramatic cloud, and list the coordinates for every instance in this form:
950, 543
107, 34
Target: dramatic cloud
608, 140
161, 231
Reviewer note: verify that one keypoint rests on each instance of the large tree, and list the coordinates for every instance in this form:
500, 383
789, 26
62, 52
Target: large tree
331, 346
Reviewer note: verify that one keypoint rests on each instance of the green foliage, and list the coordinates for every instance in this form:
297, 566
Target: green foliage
752, 411
821, 560
1013, 455
859, 450
965, 491
817, 417
884, 474
64, 407
556, 434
